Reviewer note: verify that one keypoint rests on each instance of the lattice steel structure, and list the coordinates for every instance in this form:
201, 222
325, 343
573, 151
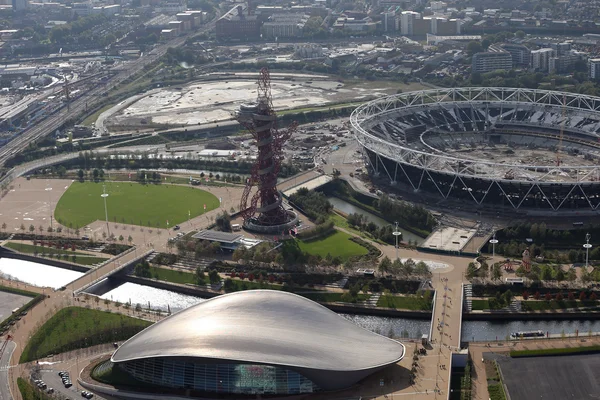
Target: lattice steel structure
265, 212
414, 139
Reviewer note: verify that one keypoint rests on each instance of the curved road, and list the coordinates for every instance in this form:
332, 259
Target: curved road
4, 367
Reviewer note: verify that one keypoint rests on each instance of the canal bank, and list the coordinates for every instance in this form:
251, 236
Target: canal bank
11, 254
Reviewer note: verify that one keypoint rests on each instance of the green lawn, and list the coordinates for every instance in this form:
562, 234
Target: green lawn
496, 392
29, 392
337, 244
80, 258
555, 352
132, 203
405, 302
93, 117
76, 328
481, 305
174, 276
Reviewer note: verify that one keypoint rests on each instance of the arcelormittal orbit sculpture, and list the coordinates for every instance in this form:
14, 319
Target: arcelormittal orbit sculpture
265, 212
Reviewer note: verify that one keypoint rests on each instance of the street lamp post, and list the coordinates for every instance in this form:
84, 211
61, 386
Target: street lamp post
587, 246
493, 241
396, 233
105, 195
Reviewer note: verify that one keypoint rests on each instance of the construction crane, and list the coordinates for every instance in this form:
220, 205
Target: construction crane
562, 129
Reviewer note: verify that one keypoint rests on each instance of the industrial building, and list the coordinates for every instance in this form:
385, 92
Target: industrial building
285, 25
491, 61
248, 344
238, 24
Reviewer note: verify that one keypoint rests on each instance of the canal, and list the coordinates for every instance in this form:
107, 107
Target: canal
348, 208
48, 276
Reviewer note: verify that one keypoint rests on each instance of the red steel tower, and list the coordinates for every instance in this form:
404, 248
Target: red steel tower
265, 212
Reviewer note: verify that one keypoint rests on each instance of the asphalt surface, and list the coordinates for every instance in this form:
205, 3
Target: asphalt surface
10, 301
561, 377
4, 389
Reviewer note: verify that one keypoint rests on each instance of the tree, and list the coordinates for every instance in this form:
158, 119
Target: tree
121, 238
129, 239
471, 270
474, 47
80, 175
520, 34
200, 276
228, 286
385, 265
213, 276
582, 296
31, 228
496, 272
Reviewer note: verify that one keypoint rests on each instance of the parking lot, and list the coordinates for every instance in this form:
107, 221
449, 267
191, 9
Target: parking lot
10, 301
52, 380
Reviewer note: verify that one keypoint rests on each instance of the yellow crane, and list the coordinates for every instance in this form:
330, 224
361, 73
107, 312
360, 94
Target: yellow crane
562, 129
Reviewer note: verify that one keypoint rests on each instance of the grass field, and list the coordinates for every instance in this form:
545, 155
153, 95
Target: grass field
480, 305
76, 328
132, 203
336, 244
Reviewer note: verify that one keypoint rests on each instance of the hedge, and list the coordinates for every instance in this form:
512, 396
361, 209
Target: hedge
555, 352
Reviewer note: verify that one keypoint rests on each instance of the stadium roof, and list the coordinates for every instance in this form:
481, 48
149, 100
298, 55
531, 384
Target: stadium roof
265, 327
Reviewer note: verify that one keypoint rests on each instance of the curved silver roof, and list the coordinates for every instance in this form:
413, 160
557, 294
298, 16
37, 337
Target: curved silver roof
265, 327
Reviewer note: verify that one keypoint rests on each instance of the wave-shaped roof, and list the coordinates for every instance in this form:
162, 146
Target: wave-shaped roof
266, 327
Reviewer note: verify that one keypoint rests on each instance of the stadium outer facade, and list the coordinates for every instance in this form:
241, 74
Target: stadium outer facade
403, 137
237, 345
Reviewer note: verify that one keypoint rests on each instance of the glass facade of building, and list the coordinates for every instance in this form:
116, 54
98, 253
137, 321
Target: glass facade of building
219, 378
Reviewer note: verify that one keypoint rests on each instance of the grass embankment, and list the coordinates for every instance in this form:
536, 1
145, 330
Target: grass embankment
542, 305
555, 352
494, 381
414, 303
338, 244
30, 392
325, 297
188, 278
91, 119
132, 203
73, 256
76, 328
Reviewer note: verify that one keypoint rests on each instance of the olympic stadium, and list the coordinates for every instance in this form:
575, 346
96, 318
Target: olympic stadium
262, 342
523, 150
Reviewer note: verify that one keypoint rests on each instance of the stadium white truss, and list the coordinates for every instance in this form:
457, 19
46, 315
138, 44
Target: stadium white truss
392, 131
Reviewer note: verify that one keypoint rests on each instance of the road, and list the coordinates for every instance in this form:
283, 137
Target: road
90, 98
4, 370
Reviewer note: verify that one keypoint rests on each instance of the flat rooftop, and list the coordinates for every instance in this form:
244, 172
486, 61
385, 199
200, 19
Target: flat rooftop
449, 239
560, 377
217, 236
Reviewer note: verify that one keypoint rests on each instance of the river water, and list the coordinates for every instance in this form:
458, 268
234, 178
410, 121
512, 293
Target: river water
348, 208
36, 274
48, 276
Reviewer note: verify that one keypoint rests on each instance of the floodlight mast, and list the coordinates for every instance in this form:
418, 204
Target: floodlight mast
105, 195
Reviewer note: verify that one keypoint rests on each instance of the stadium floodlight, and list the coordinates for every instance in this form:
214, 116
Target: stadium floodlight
587, 246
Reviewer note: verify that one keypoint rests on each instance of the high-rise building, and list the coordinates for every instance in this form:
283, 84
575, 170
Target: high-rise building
19, 5
594, 68
540, 59
521, 55
407, 22
491, 61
